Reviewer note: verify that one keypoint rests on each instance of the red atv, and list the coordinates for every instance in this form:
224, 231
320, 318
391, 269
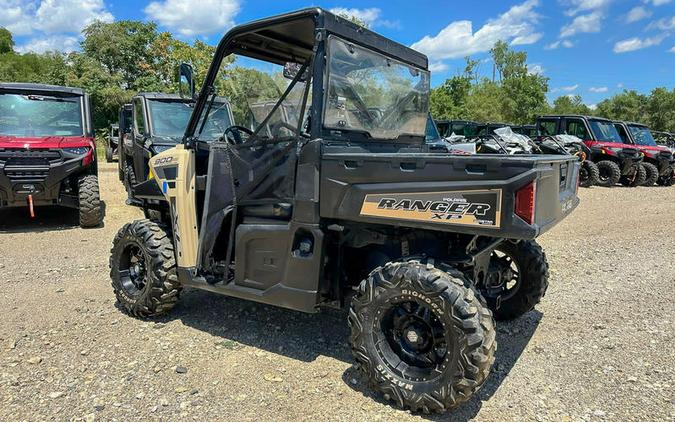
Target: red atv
616, 161
47, 150
658, 160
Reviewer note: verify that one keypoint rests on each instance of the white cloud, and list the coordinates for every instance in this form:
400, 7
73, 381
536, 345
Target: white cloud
578, 6
672, 50
635, 43
637, 14
194, 17
458, 38
15, 16
438, 67
656, 2
591, 22
598, 89
570, 88
63, 43
368, 16
592, 106
665, 24
22, 17
535, 69
70, 16
559, 43
619, 85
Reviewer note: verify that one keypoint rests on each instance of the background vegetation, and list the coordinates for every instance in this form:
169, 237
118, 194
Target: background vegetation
119, 59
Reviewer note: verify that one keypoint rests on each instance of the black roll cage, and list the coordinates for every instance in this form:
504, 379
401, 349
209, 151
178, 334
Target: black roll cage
250, 39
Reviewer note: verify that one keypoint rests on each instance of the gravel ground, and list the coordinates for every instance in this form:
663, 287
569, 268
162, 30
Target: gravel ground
599, 346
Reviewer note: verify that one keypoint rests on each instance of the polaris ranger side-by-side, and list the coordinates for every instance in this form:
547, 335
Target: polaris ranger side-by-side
344, 204
47, 150
616, 161
658, 160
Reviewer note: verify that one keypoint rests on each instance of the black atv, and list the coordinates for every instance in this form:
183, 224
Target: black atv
341, 203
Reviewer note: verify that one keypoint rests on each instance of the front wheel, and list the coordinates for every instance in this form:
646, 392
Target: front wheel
609, 173
652, 174
637, 179
422, 336
143, 269
90, 209
517, 279
588, 174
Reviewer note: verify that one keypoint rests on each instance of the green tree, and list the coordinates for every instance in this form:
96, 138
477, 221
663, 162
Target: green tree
628, 105
570, 105
123, 48
660, 109
6, 41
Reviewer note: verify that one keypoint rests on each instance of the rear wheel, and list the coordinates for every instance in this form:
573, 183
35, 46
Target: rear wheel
637, 179
652, 174
91, 213
143, 269
422, 336
667, 180
588, 174
108, 153
517, 279
609, 173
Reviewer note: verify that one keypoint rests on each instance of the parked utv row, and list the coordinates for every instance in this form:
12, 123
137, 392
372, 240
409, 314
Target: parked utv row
611, 152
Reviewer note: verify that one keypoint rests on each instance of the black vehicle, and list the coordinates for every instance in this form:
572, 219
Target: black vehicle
47, 150
658, 160
489, 128
527, 130
665, 139
569, 144
157, 124
112, 144
616, 161
344, 204
465, 128
125, 139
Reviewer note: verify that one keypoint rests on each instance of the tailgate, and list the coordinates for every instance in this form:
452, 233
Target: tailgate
408, 190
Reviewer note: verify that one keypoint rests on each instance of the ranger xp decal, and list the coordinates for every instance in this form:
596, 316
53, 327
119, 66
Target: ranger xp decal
467, 208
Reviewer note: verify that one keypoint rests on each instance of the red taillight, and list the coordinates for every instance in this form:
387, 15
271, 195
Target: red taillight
525, 202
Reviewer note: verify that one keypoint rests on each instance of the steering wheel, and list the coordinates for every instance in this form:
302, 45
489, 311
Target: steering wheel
233, 134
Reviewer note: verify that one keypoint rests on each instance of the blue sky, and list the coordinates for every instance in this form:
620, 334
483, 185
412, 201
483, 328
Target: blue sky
594, 48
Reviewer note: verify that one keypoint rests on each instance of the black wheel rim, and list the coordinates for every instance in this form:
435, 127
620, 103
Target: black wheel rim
583, 174
133, 269
604, 174
411, 340
503, 279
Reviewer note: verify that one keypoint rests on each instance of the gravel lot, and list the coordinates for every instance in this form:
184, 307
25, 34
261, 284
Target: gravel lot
599, 346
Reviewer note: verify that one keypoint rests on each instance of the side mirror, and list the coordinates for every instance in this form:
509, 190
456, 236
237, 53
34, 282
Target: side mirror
186, 83
291, 70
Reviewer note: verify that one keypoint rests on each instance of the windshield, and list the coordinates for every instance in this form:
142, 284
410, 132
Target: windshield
642, 135
170, 118
605, 131
373, 94
33, 115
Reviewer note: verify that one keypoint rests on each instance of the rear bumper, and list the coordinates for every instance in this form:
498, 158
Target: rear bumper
23, 175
